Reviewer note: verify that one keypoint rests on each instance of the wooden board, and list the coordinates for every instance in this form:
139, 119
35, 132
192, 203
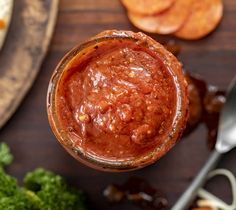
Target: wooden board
33, 143
26, 45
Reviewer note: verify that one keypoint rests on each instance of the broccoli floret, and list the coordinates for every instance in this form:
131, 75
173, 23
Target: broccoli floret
8, 184
43, 190
5, 155
21, 200
53, 191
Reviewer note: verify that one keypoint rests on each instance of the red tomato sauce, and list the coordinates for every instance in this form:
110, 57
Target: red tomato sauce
118, 101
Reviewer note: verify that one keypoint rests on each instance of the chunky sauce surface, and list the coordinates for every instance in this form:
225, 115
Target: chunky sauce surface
118, 102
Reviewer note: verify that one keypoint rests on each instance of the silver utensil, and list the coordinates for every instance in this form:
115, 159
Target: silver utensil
226, 140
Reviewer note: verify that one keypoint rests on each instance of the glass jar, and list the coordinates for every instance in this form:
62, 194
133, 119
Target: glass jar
98, 125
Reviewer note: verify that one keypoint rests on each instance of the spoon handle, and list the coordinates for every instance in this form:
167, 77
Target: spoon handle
190, 193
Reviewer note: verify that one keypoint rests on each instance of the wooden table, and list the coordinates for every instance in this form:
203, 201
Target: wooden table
33, 143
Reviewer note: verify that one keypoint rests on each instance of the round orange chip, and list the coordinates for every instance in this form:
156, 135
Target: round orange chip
205, 16
166, 22
147, 7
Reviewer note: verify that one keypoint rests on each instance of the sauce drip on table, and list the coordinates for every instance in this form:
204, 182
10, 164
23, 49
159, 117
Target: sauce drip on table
206, 102
137, 191
172, 47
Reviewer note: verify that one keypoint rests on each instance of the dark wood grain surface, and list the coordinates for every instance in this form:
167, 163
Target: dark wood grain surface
33, 143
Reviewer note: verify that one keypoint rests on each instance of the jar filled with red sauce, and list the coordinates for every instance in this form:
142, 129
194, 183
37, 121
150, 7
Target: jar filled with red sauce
118, 102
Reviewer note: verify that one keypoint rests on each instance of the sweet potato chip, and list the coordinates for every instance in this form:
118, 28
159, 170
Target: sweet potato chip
166, 22
147, 7
205, 16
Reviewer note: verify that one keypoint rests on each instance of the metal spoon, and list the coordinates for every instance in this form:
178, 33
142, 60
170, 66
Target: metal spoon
226, 140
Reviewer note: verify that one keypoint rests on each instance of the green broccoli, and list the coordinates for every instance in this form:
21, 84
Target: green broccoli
43, 190
8, 184
5, 155
21, 200
53, 191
